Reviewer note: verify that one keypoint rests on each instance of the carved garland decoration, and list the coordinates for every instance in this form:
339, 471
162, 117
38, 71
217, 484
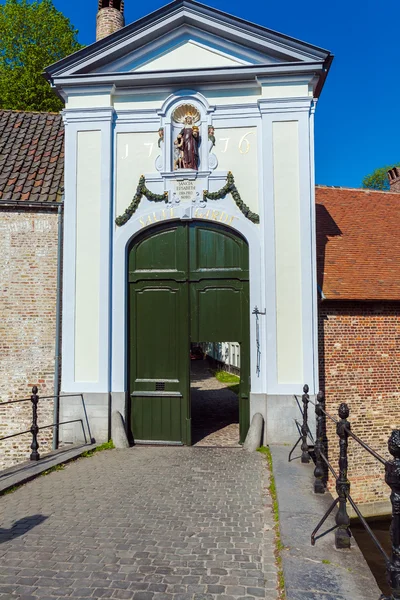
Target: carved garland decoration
229, 188
141, 191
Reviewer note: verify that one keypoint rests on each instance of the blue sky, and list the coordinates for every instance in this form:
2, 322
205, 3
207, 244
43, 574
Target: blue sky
358, 114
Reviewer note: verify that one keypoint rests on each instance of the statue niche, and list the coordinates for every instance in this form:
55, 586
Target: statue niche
186, 145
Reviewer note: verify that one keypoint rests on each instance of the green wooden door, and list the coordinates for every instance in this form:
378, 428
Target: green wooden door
159, 336
188, 282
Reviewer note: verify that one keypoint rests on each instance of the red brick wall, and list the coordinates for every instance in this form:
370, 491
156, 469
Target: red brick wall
108, 21
359, 354
28, 284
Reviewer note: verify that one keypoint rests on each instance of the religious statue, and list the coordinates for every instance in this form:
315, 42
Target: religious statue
178, 153
186, 145
160, 136
211, 136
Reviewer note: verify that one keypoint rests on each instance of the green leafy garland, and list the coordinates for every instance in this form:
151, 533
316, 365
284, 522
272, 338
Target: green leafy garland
141, 191
230, 188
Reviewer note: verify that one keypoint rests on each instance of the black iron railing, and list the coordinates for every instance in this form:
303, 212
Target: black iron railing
343, 485
34, 429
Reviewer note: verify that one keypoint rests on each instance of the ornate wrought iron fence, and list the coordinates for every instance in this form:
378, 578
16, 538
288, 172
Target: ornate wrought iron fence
34, 429
343, 485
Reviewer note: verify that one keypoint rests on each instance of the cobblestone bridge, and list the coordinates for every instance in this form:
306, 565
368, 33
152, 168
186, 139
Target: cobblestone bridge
148, 523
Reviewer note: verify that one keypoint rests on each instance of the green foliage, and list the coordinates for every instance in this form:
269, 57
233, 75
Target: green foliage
33, 35
232, 381
10, 490
59, 467
378, 179
106, 446
141, 191
230, 188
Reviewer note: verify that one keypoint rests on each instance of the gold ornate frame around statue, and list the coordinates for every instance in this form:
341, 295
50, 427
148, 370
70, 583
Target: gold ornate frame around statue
186, 110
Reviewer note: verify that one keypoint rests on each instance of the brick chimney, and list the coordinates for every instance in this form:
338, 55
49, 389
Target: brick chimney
394, 179
110, 17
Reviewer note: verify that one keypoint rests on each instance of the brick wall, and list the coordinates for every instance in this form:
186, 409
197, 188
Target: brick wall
108, 20
28, 282
359, 353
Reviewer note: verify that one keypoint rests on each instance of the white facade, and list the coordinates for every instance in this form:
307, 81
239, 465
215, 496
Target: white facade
258, 90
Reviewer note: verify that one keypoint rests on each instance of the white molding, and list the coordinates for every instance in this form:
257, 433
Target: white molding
151, 79
131, 125
176, 38
142, 116
185, 95
68, 324
222, 120
269, 342
284, 105
171, 17
314, 249
88, 115
309, 284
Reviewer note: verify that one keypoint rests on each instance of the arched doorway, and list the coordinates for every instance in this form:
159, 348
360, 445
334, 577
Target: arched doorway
188, 282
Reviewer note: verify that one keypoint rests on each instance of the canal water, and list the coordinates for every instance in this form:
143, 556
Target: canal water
371, 553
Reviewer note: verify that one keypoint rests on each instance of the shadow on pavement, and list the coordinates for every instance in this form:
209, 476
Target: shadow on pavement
20, 527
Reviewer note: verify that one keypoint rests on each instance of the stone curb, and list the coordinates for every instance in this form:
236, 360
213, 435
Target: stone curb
319, 572
27, 471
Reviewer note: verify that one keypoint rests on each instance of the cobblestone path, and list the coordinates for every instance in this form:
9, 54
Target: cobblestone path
215, 409
148, 523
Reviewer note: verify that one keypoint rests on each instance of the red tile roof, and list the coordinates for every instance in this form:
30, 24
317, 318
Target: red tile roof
358, 243
31, 156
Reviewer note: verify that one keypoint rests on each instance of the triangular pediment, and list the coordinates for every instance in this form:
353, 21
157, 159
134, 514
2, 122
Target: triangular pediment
182, 36
185, 48
187, 55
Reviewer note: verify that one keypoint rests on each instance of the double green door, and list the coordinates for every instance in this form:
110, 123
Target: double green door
188, 282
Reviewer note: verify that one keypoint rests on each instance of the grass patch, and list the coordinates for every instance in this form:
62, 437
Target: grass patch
106, 446
232, 381
275, 509
10, 491
59, 467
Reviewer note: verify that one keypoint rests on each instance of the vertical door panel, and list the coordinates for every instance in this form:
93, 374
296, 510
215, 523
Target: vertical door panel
159, 336
216, 252
244, 392
160, 254
216, 310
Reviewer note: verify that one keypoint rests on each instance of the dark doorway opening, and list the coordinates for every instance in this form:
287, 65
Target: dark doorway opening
214, 394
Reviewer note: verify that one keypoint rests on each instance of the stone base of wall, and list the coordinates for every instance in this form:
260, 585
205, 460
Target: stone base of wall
28, 284
359, 354
96, 407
